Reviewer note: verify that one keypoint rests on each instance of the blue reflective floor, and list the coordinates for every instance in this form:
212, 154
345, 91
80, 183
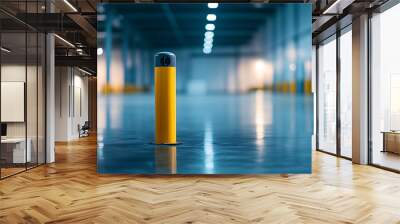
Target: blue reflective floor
255, 133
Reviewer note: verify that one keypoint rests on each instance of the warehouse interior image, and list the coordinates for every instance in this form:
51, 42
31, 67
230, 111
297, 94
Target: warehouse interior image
199, 112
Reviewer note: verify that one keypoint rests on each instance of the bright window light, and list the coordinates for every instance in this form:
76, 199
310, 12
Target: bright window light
260, 65
211, 17
70, 5
210, 27
207, 50
209, 34
212, 5
292, 67
99, 51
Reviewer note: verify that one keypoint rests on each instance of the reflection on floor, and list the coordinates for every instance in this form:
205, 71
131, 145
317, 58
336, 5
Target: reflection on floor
387, 159
221, 134
10, 171
71, 191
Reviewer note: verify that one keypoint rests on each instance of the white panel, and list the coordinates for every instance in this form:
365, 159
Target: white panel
12, 101
395, 102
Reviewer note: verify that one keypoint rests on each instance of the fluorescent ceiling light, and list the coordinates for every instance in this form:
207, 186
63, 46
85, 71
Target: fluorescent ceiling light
207, 50
208, 45
334, 8
84, 71
211, 17
208, 40
99, 51
210, 27
5, 50
212, 5
70, 5
64, 40
209, 34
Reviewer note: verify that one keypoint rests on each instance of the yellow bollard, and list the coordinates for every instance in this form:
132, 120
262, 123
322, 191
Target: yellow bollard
165, 98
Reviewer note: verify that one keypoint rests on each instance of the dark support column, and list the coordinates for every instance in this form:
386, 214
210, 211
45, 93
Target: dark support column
338, 77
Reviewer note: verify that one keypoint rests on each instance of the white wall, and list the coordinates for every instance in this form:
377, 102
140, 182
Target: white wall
71, 87
12, 73
34, 125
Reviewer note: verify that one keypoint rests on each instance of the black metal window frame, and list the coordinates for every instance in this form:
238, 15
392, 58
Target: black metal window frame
334, 37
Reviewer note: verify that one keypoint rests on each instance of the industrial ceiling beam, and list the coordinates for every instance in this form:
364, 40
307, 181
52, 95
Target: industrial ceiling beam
49, 22
81, 61
86, 26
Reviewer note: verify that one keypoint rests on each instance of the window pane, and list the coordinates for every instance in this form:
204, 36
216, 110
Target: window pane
346, 93
386, 89
327, 97
14, 153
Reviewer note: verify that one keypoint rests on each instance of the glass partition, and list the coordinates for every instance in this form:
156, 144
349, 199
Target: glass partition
22, 91
14, 155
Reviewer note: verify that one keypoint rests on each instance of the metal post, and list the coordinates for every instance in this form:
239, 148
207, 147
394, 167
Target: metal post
165, 98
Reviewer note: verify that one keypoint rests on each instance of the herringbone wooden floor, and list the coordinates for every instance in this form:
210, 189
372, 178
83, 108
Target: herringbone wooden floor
70, 191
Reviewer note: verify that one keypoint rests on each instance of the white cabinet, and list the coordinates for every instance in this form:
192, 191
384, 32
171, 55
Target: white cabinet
19, 155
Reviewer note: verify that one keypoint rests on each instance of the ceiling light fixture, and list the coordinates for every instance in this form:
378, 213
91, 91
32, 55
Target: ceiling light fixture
64, 40
209, 34
208, 45
210, 27
70, 5
212, 5
5, 50
208, 40
334, 8
207, 50
211, 17
99, 51
84, 71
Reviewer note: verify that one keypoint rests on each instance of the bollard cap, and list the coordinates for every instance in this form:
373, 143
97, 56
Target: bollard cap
165, 59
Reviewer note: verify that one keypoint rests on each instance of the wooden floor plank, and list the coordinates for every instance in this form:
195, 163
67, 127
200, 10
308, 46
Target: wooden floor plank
70, 191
